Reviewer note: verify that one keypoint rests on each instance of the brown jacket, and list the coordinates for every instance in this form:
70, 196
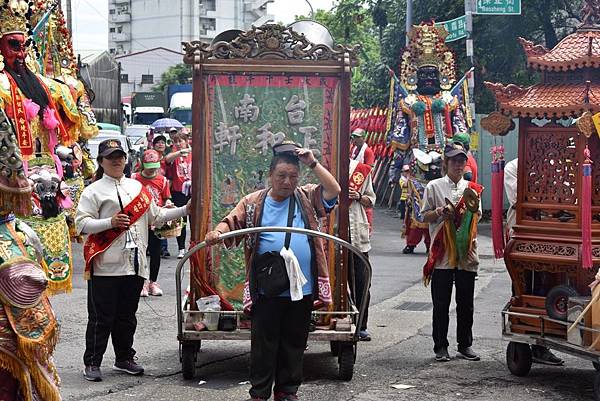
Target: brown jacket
247, 214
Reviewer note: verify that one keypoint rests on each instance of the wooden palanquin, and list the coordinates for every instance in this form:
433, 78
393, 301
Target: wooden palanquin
555, 126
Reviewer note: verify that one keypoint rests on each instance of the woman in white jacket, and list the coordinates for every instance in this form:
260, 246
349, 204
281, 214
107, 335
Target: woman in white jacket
115, 213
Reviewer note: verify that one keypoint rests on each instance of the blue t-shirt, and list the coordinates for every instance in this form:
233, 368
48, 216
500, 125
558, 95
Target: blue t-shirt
276, 214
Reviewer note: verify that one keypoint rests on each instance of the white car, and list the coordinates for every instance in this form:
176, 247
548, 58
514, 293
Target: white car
137, 135
103, 135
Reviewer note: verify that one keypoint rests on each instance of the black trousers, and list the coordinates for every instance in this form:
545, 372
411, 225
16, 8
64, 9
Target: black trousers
179, 199
112, 304
154, 247
402, 208
441, 295
279, 335
359, 271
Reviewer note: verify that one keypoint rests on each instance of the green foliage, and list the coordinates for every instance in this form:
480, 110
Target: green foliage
379, 27
177, 74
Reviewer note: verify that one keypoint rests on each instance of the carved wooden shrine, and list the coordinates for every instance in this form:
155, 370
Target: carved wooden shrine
548, 231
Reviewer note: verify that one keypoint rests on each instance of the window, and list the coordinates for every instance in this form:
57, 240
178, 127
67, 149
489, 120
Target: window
207, 24
147, 79
111, 11
112, 51
111, 30
119, 29
124, 77
208, 5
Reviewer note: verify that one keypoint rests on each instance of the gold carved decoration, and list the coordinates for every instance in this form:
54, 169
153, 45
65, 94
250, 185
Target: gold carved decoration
427, 48
270, 41
496, 123
585, 124
542, 248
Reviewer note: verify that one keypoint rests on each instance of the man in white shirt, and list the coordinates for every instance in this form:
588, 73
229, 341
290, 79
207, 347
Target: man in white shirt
362, 196
447, 265
115, 212
539, 353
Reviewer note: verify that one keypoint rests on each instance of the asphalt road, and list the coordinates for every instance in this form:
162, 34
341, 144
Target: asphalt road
400, 353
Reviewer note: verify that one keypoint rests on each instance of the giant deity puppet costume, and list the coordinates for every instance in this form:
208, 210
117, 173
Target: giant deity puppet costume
49, 111
38, 116
429, 113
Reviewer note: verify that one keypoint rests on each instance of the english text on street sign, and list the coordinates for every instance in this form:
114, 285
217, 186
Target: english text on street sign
499, 7
457, 28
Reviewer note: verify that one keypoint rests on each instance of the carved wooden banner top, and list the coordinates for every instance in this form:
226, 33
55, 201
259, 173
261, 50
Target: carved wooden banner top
272, 41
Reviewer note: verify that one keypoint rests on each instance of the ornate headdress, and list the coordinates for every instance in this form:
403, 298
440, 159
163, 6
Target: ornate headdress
14, 17
427, 48
56, 55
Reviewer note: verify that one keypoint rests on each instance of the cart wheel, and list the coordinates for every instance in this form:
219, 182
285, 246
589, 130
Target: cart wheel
596, 366
346, 359
557, 301
188, 360
335, 348
518, 358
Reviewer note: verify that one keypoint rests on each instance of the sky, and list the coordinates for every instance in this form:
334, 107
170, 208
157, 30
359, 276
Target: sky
90, 19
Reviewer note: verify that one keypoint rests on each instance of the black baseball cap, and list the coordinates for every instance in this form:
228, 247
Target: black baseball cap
454, 149
110, 146
285, 147
159, 138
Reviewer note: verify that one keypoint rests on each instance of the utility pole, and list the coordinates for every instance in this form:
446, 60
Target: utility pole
409, 18
469, 9
69, 17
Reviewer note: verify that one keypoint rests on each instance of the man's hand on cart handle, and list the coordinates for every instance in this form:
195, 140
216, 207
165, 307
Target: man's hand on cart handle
213, 237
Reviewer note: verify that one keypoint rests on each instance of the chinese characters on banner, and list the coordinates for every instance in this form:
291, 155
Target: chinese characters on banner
248, 115
247, 111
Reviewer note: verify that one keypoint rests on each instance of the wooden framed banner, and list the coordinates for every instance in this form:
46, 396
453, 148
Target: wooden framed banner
266, 85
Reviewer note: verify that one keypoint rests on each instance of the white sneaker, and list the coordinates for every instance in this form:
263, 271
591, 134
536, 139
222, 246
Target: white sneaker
181, 253
154, 289
145, 289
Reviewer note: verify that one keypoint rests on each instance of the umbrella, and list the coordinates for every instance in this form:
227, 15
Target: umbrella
166, 123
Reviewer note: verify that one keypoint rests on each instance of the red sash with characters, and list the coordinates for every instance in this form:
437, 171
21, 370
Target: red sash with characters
100, 242
24, 137
20, 119
358, 176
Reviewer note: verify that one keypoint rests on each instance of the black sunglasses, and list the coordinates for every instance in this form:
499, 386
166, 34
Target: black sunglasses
16, 45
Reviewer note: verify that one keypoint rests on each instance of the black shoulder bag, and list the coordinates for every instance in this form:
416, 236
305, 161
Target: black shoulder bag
269, 268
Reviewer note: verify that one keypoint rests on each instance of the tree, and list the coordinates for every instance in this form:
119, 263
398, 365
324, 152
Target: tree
177, 74
379, 26
350, 23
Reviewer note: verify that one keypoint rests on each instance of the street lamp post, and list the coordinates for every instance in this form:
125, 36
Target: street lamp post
312, 11
409, 18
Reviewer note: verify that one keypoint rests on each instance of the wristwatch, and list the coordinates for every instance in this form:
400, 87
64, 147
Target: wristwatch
313, 164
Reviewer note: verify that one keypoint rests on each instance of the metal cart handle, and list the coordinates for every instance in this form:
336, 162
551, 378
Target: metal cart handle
253, 230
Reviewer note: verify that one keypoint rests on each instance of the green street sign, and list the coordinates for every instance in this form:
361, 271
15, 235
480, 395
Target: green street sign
457, 28
498, 7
